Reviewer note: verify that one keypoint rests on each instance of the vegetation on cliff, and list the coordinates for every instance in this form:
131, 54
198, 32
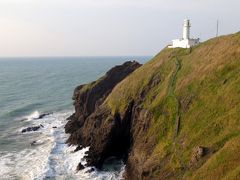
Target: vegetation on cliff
178, 115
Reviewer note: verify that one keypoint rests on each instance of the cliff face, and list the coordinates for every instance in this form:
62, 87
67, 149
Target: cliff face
92, 124
177, 116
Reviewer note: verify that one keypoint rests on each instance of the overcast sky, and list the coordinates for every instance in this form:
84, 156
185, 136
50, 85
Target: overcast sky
107, 27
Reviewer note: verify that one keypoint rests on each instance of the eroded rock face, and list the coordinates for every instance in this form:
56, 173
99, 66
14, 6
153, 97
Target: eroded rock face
113, 135
93, 125
88, 97
107, 134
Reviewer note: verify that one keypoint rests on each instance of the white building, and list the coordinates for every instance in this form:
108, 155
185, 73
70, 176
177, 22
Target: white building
185, 41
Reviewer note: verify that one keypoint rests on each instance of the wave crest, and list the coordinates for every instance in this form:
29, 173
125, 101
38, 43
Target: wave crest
34, 115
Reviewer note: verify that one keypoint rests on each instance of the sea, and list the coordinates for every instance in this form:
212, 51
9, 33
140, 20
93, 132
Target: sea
31, 87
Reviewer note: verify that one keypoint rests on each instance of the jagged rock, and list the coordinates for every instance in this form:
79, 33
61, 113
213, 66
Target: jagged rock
32, 128
93, 125
88, 97
80, 167
78, 148
43, 115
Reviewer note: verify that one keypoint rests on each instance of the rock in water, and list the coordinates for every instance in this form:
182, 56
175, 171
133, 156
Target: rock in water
43, 115
36, 142
32, 128
80, 167
33, 143
78, 148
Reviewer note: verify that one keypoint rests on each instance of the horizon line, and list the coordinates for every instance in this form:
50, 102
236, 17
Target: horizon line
74, 56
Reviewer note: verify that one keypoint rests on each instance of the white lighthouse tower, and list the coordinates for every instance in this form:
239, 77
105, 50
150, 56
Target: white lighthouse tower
185, 41
186, 29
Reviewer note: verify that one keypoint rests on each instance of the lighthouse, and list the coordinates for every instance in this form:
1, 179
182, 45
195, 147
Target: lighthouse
186, 29
185, 41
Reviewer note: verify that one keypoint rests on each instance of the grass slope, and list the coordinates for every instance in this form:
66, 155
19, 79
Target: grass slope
202, 87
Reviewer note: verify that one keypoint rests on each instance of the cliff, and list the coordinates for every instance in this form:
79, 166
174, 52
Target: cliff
87, 125
175, 117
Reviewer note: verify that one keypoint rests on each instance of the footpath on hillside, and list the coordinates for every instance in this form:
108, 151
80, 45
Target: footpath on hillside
171, 88
176, 114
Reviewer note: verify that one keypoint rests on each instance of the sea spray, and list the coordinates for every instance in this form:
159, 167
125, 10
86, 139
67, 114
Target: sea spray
48, 157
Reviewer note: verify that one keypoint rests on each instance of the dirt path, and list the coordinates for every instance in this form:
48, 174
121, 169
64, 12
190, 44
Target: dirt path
177, 120
171, 88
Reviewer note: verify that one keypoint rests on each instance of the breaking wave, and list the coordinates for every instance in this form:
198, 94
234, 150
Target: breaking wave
48, 157
33, 115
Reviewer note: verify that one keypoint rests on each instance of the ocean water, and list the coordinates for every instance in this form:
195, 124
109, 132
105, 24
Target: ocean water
30, 87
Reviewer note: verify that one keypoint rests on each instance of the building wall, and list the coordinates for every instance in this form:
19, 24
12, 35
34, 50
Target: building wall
184, 43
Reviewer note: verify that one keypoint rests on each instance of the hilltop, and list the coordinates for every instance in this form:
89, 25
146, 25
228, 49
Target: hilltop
177, 116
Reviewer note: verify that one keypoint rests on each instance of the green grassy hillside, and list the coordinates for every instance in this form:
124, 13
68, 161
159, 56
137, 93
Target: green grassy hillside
194, 99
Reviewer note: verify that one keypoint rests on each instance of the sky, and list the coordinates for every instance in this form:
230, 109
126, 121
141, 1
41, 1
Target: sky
107, 27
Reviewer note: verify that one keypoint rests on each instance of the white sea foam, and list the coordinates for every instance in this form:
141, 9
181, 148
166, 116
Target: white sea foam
29, 117
5, 168
34, 115
49, 157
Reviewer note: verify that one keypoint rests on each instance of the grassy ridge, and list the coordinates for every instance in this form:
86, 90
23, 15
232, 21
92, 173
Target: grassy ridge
207, 87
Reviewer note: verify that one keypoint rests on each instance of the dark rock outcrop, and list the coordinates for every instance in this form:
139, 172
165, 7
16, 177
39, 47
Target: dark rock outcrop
88, 97
112, 134
80, 167
78, 148
32, 128
93, 125
43, 115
